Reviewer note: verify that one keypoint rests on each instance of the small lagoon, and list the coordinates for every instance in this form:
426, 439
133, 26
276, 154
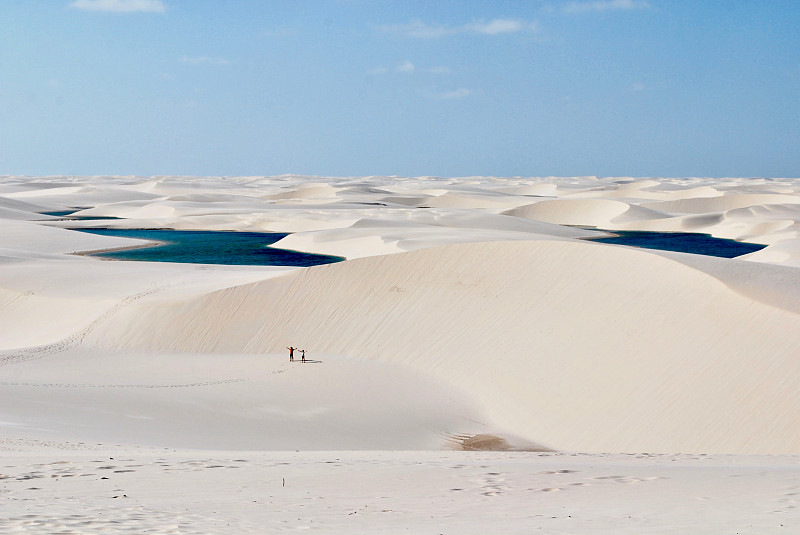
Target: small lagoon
681, 242
210, 247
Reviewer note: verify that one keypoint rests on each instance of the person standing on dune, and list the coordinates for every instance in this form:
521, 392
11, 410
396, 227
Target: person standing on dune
291, 353
303, 356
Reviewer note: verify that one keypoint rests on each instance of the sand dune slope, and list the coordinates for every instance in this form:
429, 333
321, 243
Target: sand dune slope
721, 203
573, 345
601, 213
26, 238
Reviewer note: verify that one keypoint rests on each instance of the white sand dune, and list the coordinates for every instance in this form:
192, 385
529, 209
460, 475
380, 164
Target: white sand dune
22, 215
721, 203
784, 252
415, 230
79, 196
600, 213
528, 324
537, 190
17, 205
492, 202
306, 191
470, 314
27, 237
45, 299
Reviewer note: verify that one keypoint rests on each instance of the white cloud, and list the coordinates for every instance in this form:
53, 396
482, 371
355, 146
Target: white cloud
378, 70
419, 30
120, 6
204, 59
498, 26
406, 67
603, 5
458, 93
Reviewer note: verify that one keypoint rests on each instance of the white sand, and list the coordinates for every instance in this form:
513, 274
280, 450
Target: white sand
171, 492
466, 309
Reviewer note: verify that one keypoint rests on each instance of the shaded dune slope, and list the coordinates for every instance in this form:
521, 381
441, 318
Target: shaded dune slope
573, 345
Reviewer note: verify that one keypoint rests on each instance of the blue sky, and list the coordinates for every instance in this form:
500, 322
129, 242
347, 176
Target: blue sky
362, 87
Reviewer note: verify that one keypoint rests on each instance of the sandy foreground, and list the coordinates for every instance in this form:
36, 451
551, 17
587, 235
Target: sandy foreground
415, 492
470, 314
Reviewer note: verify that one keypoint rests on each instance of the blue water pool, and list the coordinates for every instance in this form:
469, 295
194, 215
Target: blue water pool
210, 247
682, 242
